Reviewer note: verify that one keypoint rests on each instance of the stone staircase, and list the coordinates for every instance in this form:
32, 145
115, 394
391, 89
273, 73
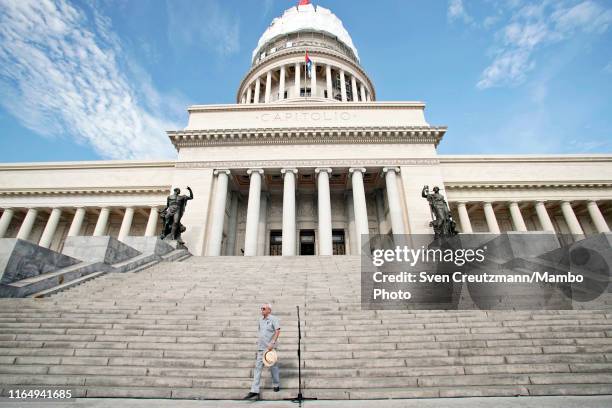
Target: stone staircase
187, 330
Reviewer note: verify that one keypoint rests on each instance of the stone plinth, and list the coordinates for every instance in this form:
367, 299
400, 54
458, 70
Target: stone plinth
149, 245
21, 259
104, 249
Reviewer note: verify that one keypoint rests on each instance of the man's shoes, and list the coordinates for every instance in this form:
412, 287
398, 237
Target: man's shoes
276, 389
250, 395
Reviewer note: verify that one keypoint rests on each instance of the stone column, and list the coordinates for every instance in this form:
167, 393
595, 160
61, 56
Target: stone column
359, 201
289, 227
324, 208
27, 224
343, 85
218, 213
490, 217
281, 84
464, 218
313, 80
5, 221
249, 94
543, 217
151, 229
297, 80
354, 89
393, 197
126, 223
77, 222
262, 224
597, 217
363, 92
257, 90
380, 211
243, 100
572, 221
328, 78
350, 209
268, 87
517, 217
102, 222
230, 248
49, 232
252, 221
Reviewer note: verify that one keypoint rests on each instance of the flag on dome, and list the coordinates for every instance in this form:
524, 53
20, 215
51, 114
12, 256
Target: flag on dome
308, 64
303, 2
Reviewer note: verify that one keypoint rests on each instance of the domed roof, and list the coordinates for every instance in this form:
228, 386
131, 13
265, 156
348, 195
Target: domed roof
306, 18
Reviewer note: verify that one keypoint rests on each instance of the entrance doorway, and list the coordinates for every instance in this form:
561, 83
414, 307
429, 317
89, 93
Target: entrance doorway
276, 242
307, 242
339, 246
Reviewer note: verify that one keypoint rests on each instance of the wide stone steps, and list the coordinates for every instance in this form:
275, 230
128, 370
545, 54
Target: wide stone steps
187, 330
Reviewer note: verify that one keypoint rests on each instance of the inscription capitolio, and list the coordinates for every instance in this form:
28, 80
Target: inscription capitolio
279, 117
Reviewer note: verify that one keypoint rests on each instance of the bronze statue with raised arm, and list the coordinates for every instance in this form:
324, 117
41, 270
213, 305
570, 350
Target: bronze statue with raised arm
172, 214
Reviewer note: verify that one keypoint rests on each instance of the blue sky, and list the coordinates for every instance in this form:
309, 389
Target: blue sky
87, 80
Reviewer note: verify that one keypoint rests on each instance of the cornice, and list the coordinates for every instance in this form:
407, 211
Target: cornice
334, 163
335, 135
300, 50
85, 191
527, 185
81, 165
332, 105
526, 158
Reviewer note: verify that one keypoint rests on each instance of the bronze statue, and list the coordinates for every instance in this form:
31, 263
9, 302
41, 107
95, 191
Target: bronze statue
442, 223
172, 214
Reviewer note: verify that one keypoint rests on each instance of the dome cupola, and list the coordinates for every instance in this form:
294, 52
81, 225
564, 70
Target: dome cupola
305, 55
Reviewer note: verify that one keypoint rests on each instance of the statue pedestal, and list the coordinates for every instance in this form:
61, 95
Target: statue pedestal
176, 244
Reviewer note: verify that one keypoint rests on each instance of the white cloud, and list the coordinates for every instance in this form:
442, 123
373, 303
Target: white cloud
206, 24
456, 11
608, 68
60, 75
588, 16
532, 26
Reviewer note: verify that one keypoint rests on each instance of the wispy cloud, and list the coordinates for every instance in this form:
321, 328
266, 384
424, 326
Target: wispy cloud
456, 11
60, 75
207, 25
534, 25
608, 68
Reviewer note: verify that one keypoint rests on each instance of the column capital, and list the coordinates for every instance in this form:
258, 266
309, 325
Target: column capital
8, 208
513, 202
323, 170
460, 202
289, 170
391, 168
362, 170
255, 171
222, 171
